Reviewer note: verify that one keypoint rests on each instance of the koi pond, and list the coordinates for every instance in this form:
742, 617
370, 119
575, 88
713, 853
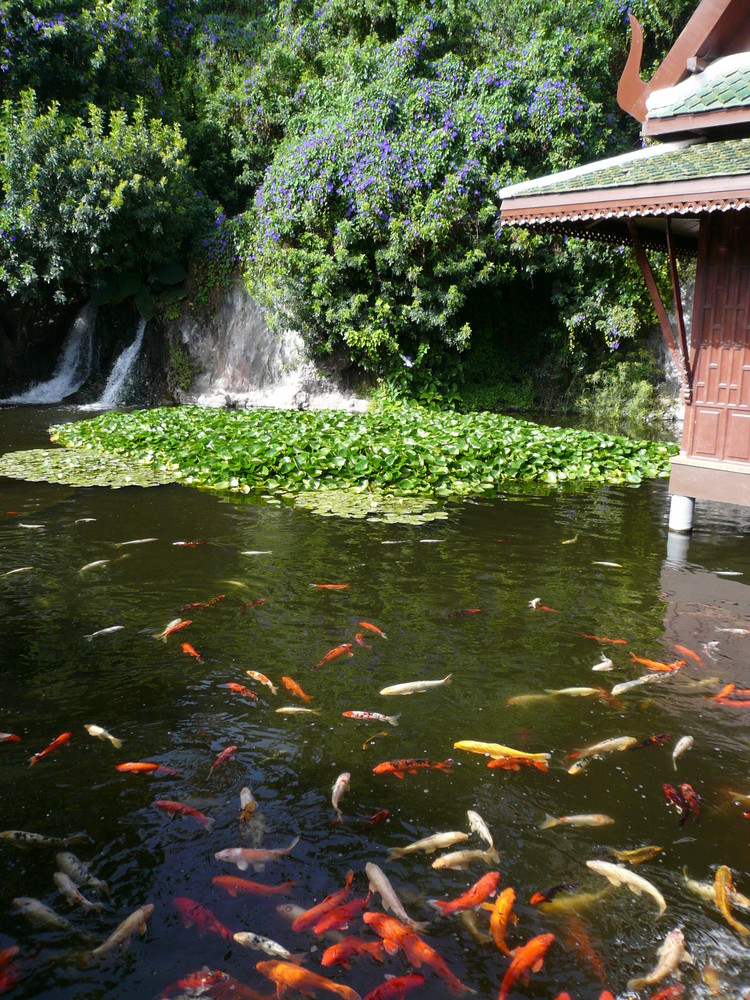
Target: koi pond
520, 595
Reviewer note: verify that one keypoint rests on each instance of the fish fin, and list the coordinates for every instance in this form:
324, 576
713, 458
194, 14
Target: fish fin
445, 765
541, 765
390, 946
548, 823
393, 719
116, 743
298, 959
88, 638
242, 865
419, 925
448, 679
258, 867
537, 965
439, 905
396, 853
397, 774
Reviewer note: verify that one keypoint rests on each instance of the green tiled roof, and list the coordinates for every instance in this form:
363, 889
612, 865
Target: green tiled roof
727, 91
663, 164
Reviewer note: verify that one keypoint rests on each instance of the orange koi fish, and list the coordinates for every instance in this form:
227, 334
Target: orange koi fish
145, 767
397, 936
310, 917
344, 951
253, 604
733, 703
9, 738
192, 606
345, 649
372, 628
214, 601
690, 797
576, 939
501, 915
291, 685
175, 628
673, 992
286, 975
472, 611
240, 689
545, 895
657, 664
262, 679
378, 817
603, 638
724, 693
526, 959
235, 885
180, 809
340, 917
10, 972
486, 886
187, 648
691, 654
396, 988
193, 913
58, 742
197, 982
360, 640
331, 586
515, 763
223, 756
410, 765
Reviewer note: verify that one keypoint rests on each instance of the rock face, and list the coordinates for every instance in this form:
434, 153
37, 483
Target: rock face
240, 362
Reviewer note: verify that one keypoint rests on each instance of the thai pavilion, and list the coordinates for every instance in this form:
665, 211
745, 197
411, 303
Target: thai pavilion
686, 191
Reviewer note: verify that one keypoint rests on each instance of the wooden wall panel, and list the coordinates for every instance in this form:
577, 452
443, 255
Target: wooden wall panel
717, 424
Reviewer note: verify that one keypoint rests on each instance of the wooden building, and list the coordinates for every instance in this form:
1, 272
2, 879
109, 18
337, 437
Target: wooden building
686, 191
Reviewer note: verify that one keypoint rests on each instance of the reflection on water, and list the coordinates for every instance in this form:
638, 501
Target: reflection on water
170, 707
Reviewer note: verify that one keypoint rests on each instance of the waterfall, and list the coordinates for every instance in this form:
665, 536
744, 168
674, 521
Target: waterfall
73, 366
119, 374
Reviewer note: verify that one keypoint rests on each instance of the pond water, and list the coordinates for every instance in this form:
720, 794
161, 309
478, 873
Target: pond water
453, 598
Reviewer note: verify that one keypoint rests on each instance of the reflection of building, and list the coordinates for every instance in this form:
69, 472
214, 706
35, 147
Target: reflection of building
689, 190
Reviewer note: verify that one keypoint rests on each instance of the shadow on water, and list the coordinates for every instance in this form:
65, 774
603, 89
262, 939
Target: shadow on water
418, 584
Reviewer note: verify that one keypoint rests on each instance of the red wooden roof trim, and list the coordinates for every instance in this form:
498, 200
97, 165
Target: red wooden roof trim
695, 122
700, 37
709, 194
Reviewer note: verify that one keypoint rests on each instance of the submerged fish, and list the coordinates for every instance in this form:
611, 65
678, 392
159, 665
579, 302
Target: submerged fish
577, 819
379, 883
629, 685
435, 842
618, 875
297, 710
497, 751
94, 565
410, 765
582, 758
256, 856
723, 889
72, 893
460, 859
340, 786
478, 826
41, 915
120, 937
682, 746
636, 856
259, 943
104, 631
287, 975
135, 541
670, 954
24, 839
372, 716
102, 734
416, 687
262, 679
79, 872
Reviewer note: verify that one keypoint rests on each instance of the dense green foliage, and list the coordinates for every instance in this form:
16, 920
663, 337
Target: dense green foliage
404, 451
359, 146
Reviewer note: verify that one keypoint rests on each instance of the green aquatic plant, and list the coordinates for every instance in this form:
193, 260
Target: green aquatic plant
396, 451
79, 467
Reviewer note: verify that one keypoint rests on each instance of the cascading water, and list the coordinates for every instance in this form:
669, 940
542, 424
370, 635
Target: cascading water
242, 363
73, 367
117, 380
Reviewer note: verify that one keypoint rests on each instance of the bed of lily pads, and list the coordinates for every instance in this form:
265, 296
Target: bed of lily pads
390, 464
404, 452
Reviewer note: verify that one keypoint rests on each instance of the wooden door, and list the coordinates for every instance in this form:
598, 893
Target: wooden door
717, 424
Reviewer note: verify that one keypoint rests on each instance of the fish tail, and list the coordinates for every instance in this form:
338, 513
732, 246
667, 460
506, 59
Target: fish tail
541, 765
549, 822
492, 855
396, 853
439, 905
116, 743
448, 679
393, 719
88, 638
638, 984
445, 765
299, 958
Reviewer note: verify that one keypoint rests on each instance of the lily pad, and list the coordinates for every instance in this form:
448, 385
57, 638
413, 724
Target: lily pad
79, 467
